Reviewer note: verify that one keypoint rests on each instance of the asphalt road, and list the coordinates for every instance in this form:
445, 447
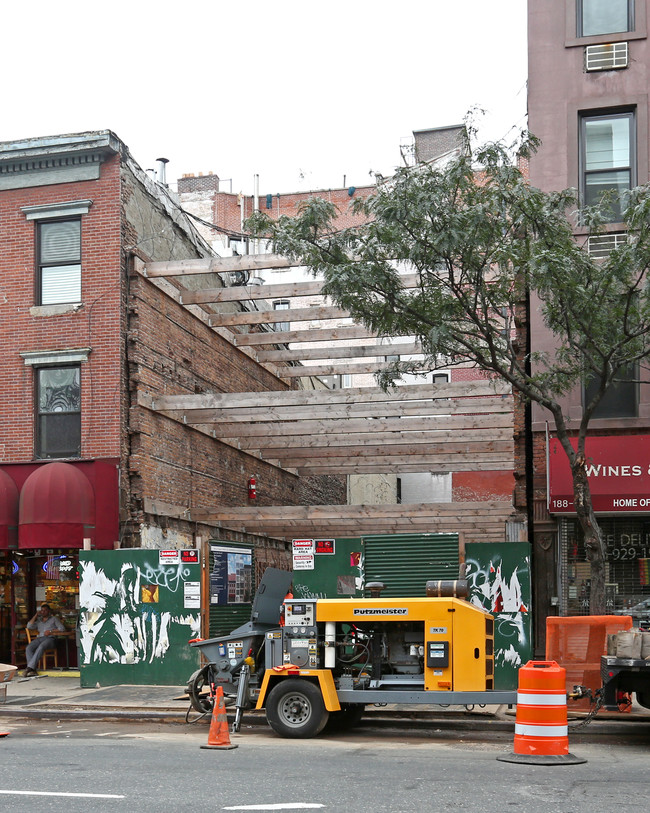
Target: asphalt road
79, 766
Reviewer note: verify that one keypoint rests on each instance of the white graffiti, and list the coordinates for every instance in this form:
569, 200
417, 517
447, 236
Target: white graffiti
118, 625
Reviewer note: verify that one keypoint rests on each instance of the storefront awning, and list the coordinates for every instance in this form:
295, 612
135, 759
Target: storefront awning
8, 512
57, 508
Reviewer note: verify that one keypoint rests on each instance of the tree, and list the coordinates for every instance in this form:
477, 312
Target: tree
486, 243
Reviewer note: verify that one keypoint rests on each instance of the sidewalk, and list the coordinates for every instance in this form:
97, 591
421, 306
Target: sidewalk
59, 695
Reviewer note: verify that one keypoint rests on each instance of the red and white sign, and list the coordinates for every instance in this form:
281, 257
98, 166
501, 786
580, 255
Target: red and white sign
618, 471
303, 554
169, 557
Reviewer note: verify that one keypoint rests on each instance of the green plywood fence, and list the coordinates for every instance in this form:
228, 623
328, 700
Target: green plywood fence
500, 582
136, 615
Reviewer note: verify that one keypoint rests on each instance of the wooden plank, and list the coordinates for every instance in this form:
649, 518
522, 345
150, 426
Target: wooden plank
450, 451
356, 351
442, 461
393, 466
217, 265
315, 313
360, 426
309, 335
318, 412
340, 368
351, 440
352, 395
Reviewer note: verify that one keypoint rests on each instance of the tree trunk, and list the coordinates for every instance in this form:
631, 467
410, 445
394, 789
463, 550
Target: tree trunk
593, 537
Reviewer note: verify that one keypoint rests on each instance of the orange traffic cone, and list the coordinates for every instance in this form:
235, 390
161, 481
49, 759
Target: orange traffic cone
541, 727
219, 736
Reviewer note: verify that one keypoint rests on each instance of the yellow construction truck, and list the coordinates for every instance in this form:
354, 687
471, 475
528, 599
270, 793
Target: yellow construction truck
329, 658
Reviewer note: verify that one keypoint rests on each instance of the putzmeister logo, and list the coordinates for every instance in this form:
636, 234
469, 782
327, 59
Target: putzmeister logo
381, 611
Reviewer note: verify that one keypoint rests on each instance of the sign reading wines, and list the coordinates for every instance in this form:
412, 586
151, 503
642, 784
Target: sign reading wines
618, 471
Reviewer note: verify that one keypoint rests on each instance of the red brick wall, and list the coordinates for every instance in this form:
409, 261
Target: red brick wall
97, 323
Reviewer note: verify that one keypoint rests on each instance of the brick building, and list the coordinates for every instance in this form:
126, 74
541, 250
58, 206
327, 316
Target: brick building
588, 103
82, 333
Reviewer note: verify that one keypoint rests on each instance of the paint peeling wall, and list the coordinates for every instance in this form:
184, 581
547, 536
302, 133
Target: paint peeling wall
136, 616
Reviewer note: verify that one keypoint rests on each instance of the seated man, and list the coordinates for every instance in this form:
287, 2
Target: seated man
48, 627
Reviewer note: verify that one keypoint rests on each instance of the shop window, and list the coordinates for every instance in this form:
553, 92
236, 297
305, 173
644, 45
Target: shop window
607, 156
627, 567
604, 17
620, 399
58, 412
59, 262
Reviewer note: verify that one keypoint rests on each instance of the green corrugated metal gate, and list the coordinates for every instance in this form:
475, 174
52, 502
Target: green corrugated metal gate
405, 562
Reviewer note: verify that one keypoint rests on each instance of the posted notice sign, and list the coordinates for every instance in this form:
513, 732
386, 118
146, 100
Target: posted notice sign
303, 554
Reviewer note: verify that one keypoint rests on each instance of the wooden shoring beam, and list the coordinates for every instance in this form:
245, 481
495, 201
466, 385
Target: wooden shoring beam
356, 351
340, 368
390, 465
217, 265
332, 334
475, 508
375, 439
359, 426
353, 395
318, 411
287, 290
455, 451
263, 317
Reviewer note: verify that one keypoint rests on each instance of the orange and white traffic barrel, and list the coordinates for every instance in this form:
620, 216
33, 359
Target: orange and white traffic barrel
541, 727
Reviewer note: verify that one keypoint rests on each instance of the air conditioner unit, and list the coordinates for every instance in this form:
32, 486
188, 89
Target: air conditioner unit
606, 57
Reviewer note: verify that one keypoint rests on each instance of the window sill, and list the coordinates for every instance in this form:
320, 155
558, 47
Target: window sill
605, 39
55, 310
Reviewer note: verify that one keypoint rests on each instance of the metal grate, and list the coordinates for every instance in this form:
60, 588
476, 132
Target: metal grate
627, 569
606, 57
600, 246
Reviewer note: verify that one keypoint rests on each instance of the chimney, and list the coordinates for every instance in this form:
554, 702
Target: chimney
162, 170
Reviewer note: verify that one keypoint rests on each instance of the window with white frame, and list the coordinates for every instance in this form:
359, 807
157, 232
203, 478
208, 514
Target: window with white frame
281, 305
607, 160
604, 17
58, 411
59, 261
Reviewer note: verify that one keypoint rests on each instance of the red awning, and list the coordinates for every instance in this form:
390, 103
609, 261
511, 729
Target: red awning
57, 508
8, 511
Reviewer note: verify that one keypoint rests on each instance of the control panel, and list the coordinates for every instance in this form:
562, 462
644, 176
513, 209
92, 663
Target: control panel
300, 633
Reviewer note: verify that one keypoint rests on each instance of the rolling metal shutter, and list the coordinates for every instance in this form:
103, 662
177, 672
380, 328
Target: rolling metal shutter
405, 562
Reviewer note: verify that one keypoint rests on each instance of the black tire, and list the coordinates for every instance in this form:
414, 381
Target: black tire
295, 709
348, 717
200, 702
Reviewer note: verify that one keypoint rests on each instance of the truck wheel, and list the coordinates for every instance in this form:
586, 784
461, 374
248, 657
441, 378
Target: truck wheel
348, 717
295, 708
200, 702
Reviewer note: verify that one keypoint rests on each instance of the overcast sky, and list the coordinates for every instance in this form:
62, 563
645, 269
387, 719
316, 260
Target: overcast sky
305, 94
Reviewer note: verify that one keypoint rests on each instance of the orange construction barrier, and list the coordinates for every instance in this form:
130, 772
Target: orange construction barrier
219, 735
541, 727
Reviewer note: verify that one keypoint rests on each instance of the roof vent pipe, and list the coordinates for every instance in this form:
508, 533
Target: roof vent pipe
162, 170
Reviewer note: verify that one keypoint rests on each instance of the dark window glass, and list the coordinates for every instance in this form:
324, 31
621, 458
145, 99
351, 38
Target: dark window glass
59, 262
620, 400
607, 157
58, 406
604, 17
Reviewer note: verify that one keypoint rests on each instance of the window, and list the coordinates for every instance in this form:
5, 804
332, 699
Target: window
58, 408
604, 17
59, 261
620, 400
281, 305
607, 158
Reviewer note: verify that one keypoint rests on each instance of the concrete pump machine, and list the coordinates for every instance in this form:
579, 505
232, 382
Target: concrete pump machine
324, 660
